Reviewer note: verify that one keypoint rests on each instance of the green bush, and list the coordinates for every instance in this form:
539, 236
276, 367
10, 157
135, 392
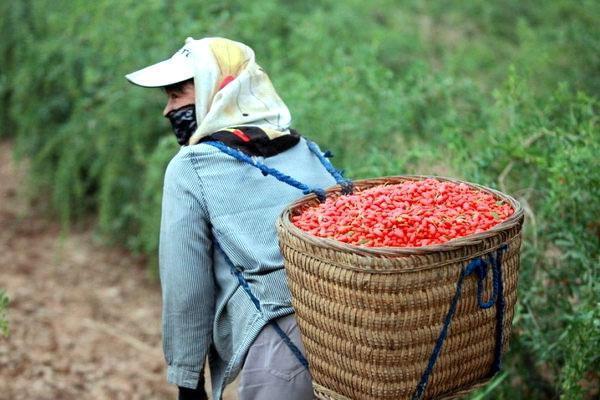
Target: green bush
499, 93
3, 310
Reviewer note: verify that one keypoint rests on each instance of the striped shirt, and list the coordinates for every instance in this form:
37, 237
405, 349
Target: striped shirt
210, 196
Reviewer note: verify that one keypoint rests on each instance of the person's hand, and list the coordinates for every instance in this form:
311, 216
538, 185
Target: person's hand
194, 394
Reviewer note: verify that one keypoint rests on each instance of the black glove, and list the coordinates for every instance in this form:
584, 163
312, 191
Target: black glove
194, 394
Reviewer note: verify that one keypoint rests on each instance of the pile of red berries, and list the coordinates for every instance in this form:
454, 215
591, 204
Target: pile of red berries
409, 214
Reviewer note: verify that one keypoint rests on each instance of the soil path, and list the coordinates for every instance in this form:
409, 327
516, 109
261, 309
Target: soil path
84, 319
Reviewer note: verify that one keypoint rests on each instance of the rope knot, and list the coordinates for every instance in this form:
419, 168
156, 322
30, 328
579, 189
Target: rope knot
320, 193
476, 266
347, 187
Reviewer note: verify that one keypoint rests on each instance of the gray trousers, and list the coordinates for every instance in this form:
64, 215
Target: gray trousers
271, 371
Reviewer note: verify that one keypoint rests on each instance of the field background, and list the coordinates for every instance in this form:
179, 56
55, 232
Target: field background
501, 93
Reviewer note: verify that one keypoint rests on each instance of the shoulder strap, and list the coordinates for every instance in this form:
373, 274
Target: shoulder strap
346, 185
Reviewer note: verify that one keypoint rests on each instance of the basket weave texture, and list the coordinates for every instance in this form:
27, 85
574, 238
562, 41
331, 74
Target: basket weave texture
370, 317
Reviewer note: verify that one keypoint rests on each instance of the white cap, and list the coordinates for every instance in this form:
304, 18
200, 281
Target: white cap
176, 69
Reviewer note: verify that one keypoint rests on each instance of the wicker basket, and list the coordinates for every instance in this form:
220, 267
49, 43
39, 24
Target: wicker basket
370, 318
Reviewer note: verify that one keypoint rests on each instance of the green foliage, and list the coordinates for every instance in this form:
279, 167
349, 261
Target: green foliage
4, 300
582, 340
546, 155
500, 93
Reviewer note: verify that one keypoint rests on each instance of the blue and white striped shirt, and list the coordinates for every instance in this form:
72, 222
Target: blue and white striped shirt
208, 196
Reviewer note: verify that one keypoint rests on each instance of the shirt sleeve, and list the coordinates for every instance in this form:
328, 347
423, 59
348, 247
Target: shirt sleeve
186, 273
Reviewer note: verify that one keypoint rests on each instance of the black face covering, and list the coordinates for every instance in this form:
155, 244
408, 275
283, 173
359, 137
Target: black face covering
183, 121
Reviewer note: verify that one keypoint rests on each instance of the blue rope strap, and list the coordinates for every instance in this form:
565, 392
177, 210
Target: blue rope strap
501, 306
237, 272
476, 266
235, 153
346, 185
286, 339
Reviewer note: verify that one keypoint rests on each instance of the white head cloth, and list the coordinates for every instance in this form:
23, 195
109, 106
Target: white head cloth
247, 98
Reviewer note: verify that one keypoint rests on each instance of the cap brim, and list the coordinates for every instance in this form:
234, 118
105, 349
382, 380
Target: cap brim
164, 73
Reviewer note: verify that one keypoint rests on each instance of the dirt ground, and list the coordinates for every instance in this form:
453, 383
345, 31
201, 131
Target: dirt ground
84, 319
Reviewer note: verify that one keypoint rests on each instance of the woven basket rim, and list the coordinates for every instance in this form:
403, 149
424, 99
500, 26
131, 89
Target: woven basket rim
284, 221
